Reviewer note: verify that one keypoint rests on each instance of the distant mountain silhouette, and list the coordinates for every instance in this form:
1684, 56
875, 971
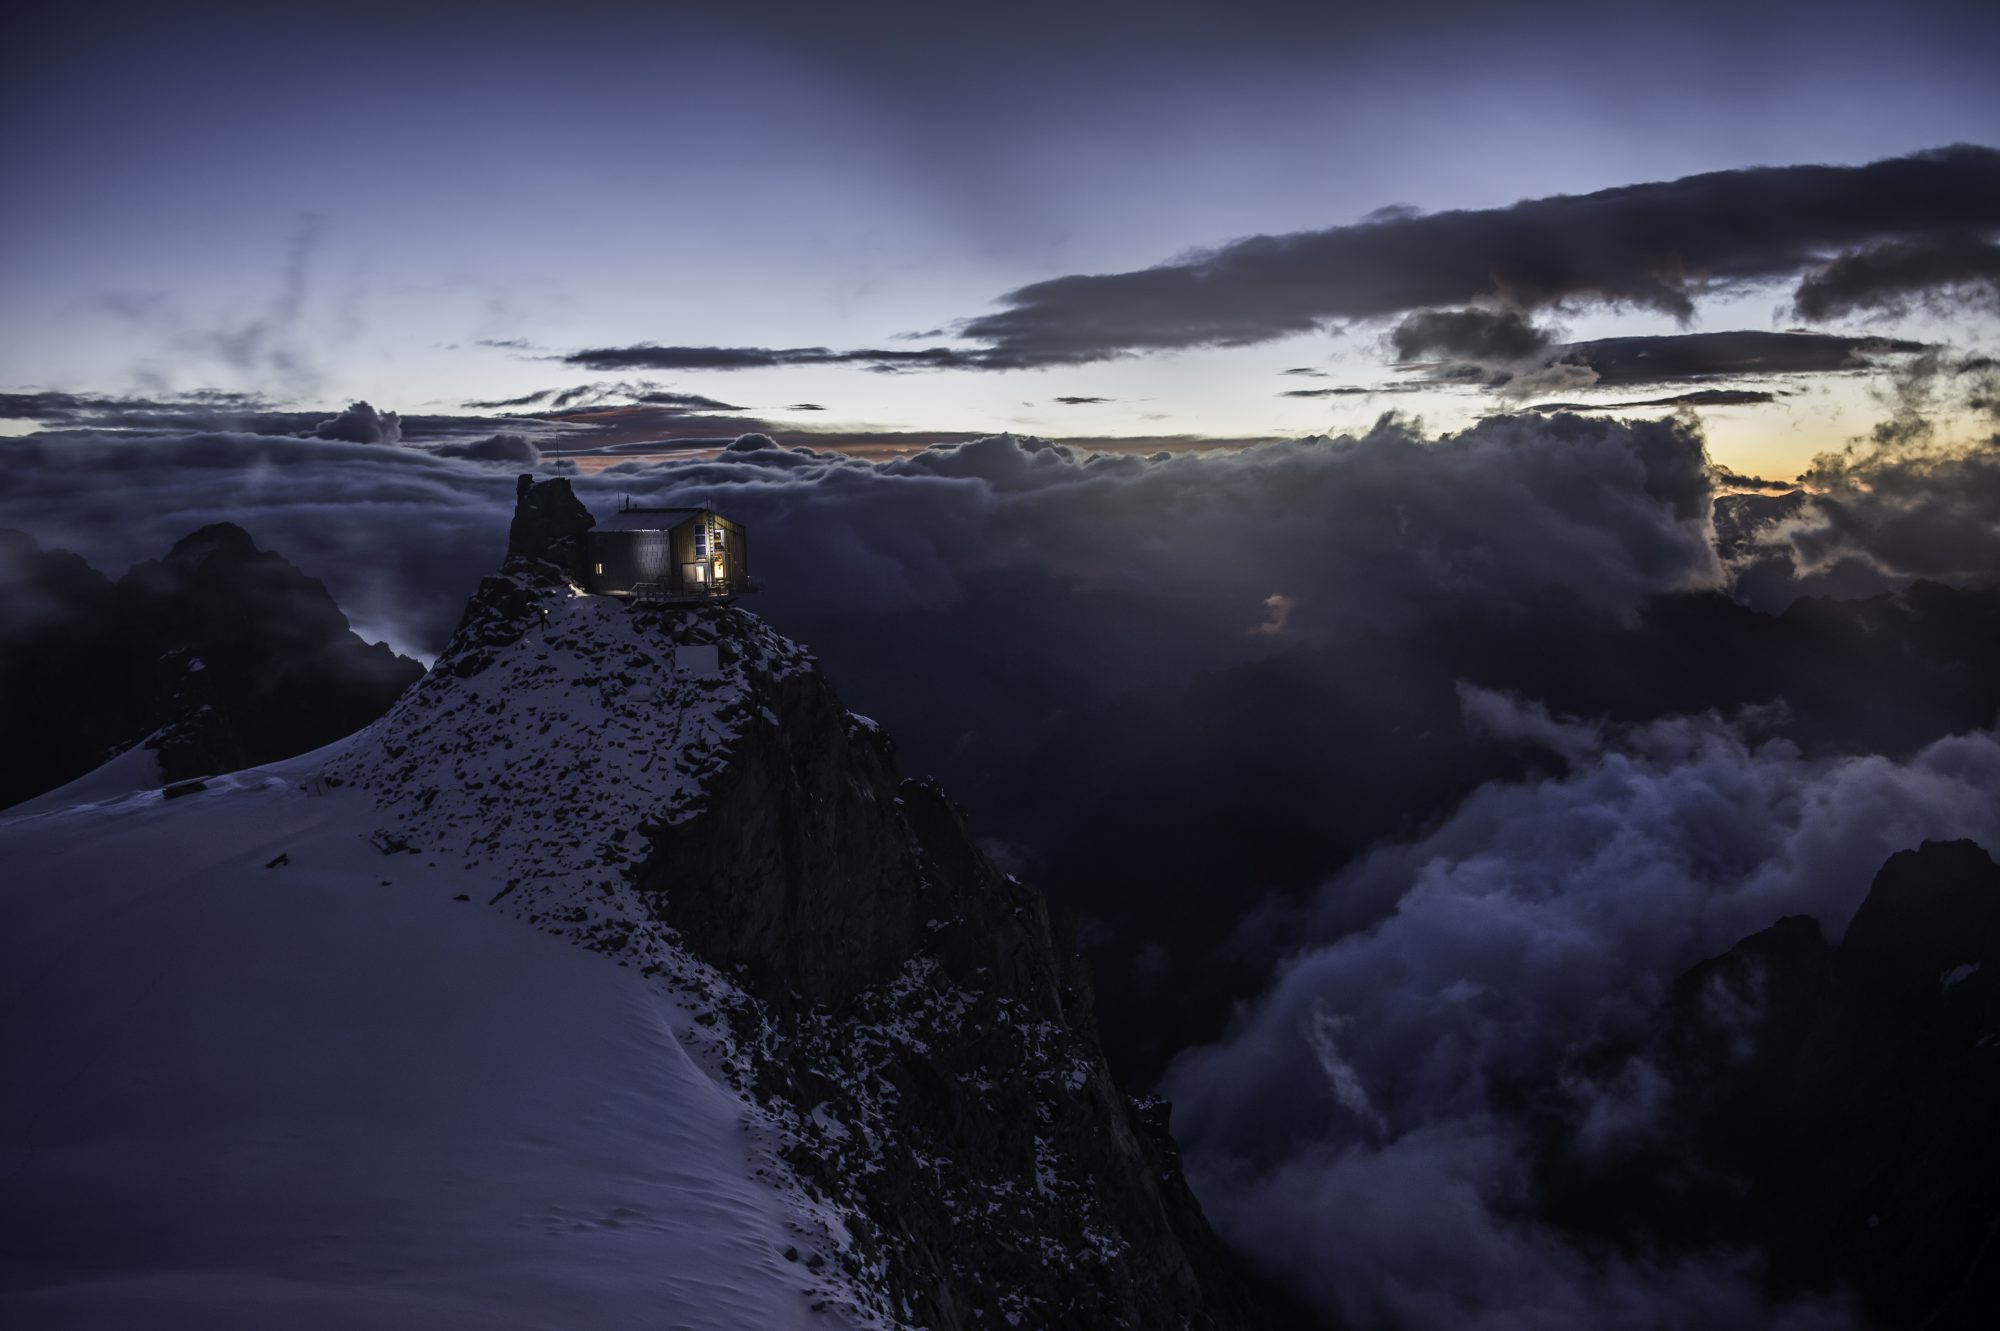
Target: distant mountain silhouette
217, 657
1830, 1107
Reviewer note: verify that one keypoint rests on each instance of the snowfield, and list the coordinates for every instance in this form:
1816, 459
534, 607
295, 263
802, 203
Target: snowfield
328, 1093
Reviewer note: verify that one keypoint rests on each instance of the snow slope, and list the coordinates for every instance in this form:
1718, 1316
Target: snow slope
330, 1094
138, 768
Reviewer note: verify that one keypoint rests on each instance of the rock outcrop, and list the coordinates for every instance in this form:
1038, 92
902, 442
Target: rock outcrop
909, 1011
550, 524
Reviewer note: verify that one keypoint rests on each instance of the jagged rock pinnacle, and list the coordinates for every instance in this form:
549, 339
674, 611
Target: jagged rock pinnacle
550, 524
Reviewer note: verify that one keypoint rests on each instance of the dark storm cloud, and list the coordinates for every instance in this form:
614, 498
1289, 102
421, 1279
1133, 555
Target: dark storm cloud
1659, 246
1465, 283
646, 356
1705, 397
1083, 401
684, 401
805, 406
1662, 358
513, 449
649, 357
1346, 390
1685, 357
570, 397
219, 411
501, 404
1485, 336
1349, 1133
1887, 276
1981, 378
362, 423
641, 392
1738, 480
172, 410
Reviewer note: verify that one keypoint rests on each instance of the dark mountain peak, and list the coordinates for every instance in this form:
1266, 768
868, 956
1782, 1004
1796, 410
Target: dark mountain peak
1929, 912
218, 541
217, 657
1789, 951
25, 566
16, 547
1732, 1011
1830, 1108
1793, 937
218, 593
41, 588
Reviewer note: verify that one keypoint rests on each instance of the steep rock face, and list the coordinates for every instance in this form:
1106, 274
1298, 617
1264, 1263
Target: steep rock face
1833, 1108
218, 656
910, 1012
921, 1051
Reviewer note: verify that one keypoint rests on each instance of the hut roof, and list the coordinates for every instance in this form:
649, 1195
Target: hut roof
647, 519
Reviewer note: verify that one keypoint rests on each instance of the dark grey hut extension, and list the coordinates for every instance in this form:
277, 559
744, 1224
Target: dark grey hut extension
668, 554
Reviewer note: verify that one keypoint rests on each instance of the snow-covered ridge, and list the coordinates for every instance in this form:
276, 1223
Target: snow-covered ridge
553, 729
552, 733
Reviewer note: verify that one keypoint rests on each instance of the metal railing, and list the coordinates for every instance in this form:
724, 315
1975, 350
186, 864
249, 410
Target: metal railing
661, 593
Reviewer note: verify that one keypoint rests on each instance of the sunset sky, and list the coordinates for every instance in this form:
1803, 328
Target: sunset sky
427, 207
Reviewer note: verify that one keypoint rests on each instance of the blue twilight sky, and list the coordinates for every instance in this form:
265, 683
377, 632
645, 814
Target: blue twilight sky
314, 203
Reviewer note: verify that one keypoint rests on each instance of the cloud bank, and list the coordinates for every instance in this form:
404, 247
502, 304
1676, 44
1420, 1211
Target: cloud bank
1244, 647
362, 424
399, 536
649, 356
1350, 1132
